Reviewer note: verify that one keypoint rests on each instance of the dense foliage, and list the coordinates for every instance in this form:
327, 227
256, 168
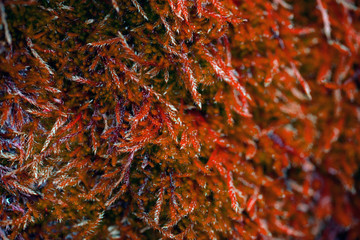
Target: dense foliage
201, 119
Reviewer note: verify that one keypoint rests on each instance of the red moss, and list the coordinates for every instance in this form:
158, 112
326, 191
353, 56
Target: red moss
179, 119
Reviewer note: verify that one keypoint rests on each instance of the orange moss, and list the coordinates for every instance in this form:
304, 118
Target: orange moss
179, 119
